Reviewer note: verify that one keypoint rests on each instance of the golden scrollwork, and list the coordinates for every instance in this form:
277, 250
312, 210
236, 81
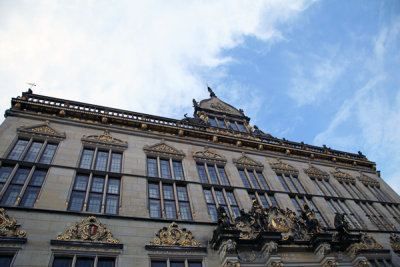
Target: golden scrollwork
367, 180
207, 155
367, 243
283, 167
89, 230
42, 130
104, 139
331, 263
314, 172
395, 241
9, 227
247, 162
163, 149
342, 176
363, 263
173, 235
276, 264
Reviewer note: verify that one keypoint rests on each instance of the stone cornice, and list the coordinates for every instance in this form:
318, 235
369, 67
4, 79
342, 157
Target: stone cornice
93, 114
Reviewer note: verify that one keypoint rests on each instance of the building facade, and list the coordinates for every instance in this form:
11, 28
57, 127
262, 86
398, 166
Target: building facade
86, 185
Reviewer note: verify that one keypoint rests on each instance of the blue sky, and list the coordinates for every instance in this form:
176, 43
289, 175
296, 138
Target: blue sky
322, 72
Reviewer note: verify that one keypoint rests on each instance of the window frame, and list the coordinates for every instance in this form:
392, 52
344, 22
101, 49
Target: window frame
216, 167
216, 203
171, 161
84, 254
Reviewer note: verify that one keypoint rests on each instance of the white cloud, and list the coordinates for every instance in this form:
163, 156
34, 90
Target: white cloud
145, 55
312, 80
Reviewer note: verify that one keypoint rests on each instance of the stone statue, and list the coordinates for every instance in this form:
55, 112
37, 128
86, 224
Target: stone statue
342, 226
211, 92
313, 225
223, 219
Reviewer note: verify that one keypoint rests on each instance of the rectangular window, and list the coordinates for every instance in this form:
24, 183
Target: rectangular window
255, 177
13, 190
48, 154
18, 149
112, 197
169, 202
175, 263
222, 175
291, 183
154, 201
262, 180
246, 182
212, 210
83, 261
101, 160
183, 200
202, 173
213, 174
33, 151
242, 128
5, 172
283, 183
212, 122
178, 171
233, 126
86, 159
165, 169
221, 123
116, 162
152, 169
33, 188
253, 180
228, 204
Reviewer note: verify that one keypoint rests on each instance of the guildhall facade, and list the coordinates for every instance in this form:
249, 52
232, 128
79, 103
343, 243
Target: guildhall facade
87, 185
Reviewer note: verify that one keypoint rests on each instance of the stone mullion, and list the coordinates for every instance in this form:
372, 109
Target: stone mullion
24, 186
10, 177
89, 185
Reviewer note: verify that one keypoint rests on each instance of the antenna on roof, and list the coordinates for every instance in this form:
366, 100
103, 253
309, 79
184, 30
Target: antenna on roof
30, 88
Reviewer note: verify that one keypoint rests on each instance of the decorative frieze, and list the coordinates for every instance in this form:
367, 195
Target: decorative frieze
281, 167
367, 180
163, 149
42, 130
173, 235
104, 139
342, 176
9, 227
246, 162
207, 155
89, 230
314, 172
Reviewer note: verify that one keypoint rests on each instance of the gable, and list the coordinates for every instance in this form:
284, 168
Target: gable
245, 161
207, 155
217, 105
314, 172
41, 130
342, 176
163, 149
283, 167
368, 180
104, 139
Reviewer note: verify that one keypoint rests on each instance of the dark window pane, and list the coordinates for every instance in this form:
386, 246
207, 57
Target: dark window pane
106, 262
262, 180
213, 174
155, 208
202, 173
20, 176
231, 198
11, 194
221, 123
158, 264
5, 260
242, 128
101, 161
184, 208
30, 196
152, 170
62, 262
165, 170
182, 194
283, 183
112, 204
154, 191
297, 206
236, 211
222, 175
299, 185
208, 196
194, 264
94, 203
264, 201
213, 212
84, 262
48, 153
233, 126
116, 162
4, 173
170, 210
273, 201
212, 122
220, 197
290, 182
81, 182
97, 184
113, 186
33, 151
76, 201
244, 179
37, 178
18, 149
86, 160
168, 192
317, 186
177, 264
253, 179
178, 171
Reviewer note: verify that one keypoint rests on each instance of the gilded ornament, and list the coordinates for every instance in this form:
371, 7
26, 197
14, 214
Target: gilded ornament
260, 147
17, 106
9, 227
363, 263
287, 151
247, 162
62, 113
283, 167
173, 235
180, 132
331, 263
239, 143
163, 149
342, 176
104, 139
367, 243
215, 139
104, 119
207, 155
89, 230
314, 172
276, 264
144, 126
395, 241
